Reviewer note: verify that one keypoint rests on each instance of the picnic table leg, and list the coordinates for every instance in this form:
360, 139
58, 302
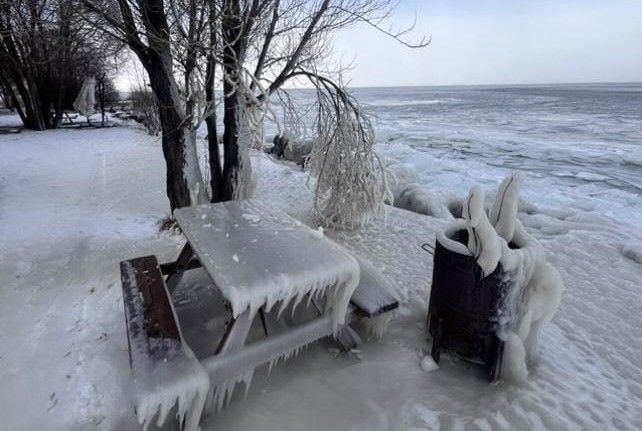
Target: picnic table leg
270, 320
235, 334
182, 264
347, 337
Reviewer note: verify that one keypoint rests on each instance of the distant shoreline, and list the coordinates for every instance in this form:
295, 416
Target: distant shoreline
472, 86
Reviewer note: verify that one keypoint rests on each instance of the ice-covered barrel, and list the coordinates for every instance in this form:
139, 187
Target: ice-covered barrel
463, 310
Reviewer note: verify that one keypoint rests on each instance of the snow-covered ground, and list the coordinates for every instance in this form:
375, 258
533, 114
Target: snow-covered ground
74, 203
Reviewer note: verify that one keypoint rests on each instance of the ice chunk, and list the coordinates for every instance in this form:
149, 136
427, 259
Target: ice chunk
255, 218
428, 364
319, 232
504, 211
633, 251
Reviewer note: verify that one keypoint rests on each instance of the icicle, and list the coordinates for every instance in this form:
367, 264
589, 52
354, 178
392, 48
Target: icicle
377, 326
247, 380
164, 409
297, 300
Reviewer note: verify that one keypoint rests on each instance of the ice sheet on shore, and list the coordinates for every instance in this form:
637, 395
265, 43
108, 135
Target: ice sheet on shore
587, 372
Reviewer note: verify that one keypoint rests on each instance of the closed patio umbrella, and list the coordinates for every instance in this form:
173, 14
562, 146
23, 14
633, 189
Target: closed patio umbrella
86, 99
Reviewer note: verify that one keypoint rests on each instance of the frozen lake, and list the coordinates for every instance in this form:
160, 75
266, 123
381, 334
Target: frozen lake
580, 146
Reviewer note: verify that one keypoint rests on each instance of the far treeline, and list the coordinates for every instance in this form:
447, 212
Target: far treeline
47, 48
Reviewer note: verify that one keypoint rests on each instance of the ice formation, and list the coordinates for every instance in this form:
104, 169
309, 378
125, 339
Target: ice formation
167, 383
535, 286
633, 251
235, 367
378, 325
220, 394
483, 241
192, 172
400, 176
503, 214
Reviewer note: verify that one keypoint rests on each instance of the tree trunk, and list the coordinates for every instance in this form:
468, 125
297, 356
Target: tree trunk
233, 54
173, 138
230, 137
216, 171
178, 138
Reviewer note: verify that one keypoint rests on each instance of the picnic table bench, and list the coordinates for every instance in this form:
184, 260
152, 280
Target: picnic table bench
262, 261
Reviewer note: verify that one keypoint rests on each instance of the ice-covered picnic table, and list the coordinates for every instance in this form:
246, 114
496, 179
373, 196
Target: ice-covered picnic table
259, 257
262, 261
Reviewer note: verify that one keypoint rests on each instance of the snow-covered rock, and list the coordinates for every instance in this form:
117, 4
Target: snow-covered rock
633, 251
419, 199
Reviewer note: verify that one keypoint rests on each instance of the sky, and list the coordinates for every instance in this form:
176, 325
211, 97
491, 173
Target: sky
496, 42
501, 42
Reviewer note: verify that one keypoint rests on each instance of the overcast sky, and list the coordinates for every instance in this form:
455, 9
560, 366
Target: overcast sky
502, 42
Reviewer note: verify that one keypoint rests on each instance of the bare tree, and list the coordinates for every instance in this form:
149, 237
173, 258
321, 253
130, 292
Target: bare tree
155, 32
248, 49
282, 41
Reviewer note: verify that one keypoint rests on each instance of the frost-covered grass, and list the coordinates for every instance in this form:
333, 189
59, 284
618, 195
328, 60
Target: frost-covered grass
75, 203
